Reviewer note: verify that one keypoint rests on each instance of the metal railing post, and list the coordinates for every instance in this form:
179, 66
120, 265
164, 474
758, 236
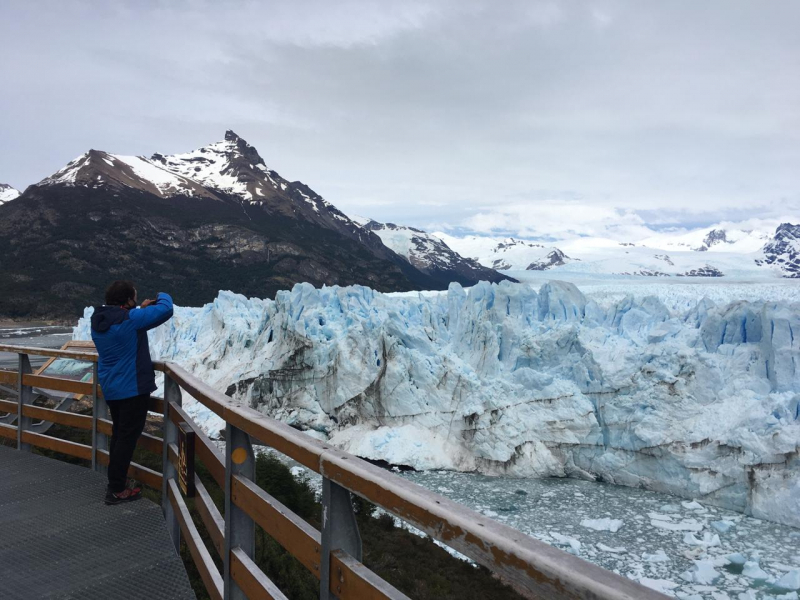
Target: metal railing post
99, 411
172, 393
339, 531
240, 530
24, 396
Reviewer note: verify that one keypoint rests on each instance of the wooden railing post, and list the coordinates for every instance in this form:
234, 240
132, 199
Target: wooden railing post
24, 396
339, 531
240, 530
172, 393
99, 411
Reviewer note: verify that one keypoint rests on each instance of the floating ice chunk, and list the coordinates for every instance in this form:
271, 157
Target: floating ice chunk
659, 556
790, 581
611, 525
693, 505
707, 541
754, 571
659, 517
789, 596
704, 572
604, 548
563, 540
670, 508
685, 525
723, 526
737, 558
665, 586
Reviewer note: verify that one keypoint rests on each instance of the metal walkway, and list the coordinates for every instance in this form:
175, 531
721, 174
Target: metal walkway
59, 541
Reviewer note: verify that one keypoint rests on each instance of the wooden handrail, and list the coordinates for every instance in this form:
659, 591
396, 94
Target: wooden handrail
8, 431
74, 354
530, 565
57, 445
286, 440
251, 580
202, 559
290, 531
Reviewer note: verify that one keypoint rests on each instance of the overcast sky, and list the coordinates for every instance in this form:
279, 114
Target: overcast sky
535, 118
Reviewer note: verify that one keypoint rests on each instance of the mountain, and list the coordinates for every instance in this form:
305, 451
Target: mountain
554, 258
7, 193
719, 238
430, 254
506, 254
764, 251
191, 224
783, 251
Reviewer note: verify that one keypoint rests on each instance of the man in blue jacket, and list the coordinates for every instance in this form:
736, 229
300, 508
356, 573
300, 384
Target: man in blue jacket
126, 375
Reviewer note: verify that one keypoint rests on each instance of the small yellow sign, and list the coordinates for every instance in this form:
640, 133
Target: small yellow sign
239, 455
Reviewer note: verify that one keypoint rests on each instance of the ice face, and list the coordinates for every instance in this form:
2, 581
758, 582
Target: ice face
698, 400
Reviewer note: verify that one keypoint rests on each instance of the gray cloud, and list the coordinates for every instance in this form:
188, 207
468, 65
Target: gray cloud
443, 113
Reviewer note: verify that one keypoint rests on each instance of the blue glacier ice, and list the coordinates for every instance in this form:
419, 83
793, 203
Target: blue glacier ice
701, 400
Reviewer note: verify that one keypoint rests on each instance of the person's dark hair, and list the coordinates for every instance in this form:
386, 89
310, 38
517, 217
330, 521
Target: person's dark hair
119, 292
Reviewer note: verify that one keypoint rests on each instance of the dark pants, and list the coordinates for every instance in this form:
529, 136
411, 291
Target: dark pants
129, 416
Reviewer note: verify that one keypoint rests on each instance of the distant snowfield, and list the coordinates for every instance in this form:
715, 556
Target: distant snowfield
763, 249
675, 292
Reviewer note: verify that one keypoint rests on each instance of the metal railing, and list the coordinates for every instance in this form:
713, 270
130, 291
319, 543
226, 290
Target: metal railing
333, 555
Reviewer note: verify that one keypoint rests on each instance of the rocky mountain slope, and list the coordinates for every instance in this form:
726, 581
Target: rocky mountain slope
215, 218
430, 255
507, 253
783, 251
7, 193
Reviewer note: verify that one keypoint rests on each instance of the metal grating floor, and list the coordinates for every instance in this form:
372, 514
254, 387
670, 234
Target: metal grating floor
58, 540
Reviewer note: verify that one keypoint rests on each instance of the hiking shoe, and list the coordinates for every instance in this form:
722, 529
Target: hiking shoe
126, 495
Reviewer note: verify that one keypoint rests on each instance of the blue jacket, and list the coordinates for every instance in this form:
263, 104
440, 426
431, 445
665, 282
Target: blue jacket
124, 368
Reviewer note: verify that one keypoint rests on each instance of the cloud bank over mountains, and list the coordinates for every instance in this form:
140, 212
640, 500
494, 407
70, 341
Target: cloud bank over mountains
537, 118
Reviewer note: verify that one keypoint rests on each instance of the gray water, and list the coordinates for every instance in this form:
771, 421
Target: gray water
658, 541
38, 336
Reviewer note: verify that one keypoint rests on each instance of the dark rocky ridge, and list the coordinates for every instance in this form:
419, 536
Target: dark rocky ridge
436, 259
784, 250
99, 219
62, 246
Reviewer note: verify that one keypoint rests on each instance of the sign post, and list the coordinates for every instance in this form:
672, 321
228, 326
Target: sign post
186, 459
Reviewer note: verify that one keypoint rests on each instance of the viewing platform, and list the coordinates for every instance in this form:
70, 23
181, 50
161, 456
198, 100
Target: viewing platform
59, 540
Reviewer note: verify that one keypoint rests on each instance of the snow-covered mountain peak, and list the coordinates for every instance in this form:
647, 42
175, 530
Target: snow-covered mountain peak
507, 253
97, 168
419, 248
784, 250
715, 236
7, 193
231, 166
426, 252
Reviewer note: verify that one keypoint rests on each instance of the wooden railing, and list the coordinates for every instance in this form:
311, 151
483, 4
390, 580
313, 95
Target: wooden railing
533, 568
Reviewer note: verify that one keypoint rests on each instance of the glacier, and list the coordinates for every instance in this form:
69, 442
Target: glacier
700, 400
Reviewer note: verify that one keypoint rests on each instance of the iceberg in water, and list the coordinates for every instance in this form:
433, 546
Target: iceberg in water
700, 401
